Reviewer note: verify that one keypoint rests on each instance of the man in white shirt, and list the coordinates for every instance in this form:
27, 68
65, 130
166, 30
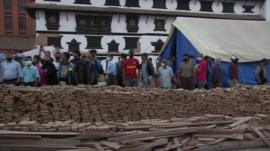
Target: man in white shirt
111, 71
165, 73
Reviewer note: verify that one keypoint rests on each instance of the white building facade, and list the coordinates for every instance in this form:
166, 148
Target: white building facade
116, 26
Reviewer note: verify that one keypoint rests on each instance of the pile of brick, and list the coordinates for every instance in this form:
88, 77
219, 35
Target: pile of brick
86, 104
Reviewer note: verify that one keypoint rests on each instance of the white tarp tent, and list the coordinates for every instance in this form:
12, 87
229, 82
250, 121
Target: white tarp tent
220, 38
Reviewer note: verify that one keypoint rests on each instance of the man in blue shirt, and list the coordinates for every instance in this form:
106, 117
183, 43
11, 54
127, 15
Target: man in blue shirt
111, 71
30, 74
10, 70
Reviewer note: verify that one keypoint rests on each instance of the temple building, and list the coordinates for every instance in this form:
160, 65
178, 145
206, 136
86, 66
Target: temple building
116, 26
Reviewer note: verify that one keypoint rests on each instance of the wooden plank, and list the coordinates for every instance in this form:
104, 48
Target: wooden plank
151, 145
232, 145
113, 145
229, 136
260, 134
182, 124
99, 147
4, 132
171, 132
239, 122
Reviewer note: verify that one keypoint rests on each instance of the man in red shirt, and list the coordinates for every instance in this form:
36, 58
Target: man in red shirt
131, 70
202, 73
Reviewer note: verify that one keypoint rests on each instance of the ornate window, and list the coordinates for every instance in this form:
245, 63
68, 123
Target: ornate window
131, 43
54, 41
82, 2
248, 8
228, 7
52, 20
132, 23
160, 25
113, 46
159, 4
158, 45
93, 24
74, 46
183, 4
93, 42
112, 3
132, 3
206, 6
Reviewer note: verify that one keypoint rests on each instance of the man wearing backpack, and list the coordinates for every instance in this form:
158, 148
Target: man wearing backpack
95, 67
261, 72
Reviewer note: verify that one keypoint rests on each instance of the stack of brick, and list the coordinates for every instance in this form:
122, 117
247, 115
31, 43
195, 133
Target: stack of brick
86, 104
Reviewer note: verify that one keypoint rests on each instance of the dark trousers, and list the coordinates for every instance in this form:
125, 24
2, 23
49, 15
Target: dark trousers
32, 84
111, 80
11, 81
186, 83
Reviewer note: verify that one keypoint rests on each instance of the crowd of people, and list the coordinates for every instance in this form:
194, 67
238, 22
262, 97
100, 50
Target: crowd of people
75, 68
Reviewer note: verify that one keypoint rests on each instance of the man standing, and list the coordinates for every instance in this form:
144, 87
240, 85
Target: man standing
95, 66
186, 73
30, 75
131, 70
57, 61
111, 71
233, 71
10, 70
119, 65
217, 74
261, 72
165, 73
147, 71
202, 73
83, 71
67, 70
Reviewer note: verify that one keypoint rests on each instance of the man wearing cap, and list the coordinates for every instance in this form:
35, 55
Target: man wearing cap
131, 70
261, 72
10, 70
233, 71
186, 73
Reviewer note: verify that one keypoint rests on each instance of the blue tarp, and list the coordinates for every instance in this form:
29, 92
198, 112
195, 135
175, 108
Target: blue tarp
178, 45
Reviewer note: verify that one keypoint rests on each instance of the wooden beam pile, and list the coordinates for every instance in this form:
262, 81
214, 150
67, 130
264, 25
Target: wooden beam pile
200, 133
86, 104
